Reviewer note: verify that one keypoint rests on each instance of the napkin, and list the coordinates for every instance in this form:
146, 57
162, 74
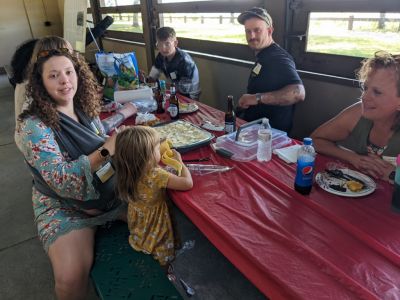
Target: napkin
288, 154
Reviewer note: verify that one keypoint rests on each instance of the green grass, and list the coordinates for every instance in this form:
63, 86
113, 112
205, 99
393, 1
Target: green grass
363, 46
331, 37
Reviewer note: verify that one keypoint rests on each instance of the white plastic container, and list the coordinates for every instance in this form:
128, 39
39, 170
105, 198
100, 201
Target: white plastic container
245, 148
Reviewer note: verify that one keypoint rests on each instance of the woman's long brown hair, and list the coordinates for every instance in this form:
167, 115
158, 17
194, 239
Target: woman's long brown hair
87, 97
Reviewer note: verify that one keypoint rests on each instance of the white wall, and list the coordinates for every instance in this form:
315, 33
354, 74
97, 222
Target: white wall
24, 19
14, 28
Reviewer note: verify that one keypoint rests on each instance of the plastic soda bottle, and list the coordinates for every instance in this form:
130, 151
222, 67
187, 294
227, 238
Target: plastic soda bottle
305, 167
264, 140
396, 189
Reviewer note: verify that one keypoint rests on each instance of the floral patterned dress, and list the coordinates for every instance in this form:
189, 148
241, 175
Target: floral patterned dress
67, 178
149, 220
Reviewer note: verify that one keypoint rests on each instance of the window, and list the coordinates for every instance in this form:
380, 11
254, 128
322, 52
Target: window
332, 37
114, 3
220, 27
130, 22
353, 34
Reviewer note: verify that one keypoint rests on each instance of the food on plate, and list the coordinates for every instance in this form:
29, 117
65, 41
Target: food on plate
338, 187
183, 105
187, 107
354, 186
182, 133
146, 119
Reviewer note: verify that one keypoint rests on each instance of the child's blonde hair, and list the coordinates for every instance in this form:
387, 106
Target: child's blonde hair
134, 157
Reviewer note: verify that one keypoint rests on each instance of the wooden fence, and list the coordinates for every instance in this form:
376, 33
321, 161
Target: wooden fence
382, 20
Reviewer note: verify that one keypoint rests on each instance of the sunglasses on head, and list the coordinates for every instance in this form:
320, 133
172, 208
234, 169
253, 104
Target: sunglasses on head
45, 53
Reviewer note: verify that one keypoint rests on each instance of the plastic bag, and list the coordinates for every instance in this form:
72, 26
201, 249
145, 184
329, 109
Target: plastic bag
120, 71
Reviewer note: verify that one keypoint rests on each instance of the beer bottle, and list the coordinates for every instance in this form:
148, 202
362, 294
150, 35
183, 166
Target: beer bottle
159, 98
230, 118
173, 104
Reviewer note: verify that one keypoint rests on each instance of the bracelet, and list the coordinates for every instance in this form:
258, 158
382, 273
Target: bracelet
258, 98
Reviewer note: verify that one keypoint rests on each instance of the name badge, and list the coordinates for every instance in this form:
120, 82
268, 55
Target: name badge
257, 69
173, 75
105, 172
94, 127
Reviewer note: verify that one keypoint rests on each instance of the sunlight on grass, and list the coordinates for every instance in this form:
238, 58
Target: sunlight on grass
324, 36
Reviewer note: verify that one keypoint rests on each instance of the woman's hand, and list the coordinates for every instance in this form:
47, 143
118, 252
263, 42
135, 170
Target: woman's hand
247, 100
110, 142
129, 109
373, 166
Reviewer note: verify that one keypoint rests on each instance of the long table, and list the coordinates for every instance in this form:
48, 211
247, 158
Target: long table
290, 246
320, 246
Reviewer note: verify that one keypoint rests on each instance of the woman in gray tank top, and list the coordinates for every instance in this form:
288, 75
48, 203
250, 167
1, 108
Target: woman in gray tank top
367, 134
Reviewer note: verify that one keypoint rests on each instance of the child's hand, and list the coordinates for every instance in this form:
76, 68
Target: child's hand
177, 155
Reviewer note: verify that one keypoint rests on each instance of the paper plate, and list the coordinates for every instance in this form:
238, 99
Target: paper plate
189, 108
325, 181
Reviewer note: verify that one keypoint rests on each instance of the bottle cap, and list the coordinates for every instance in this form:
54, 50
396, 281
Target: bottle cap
398, 160
307, 141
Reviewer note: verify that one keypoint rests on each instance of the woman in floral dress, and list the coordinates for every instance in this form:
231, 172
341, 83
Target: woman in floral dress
64, 146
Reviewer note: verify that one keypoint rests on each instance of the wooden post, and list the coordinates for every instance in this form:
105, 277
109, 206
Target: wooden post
185, 19
202, 20
381, 22
232, 18
135, 18
220, 19
350, 24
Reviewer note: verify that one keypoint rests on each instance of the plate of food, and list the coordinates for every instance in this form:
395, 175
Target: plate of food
184, 135
345, 182
187, 108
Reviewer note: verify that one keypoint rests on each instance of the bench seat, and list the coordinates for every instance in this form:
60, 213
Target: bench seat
119, 272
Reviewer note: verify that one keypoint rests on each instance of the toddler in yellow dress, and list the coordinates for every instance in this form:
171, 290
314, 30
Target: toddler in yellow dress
142, 183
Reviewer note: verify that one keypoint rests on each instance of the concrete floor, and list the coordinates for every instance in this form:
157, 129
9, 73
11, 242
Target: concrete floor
25, 271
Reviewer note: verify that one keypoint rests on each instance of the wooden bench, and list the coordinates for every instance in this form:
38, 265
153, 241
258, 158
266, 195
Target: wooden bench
119, 272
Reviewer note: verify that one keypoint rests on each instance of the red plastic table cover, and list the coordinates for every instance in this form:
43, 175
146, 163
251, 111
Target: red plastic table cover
320, 246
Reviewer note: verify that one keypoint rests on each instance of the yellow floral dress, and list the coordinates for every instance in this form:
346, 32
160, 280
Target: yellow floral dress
149, 220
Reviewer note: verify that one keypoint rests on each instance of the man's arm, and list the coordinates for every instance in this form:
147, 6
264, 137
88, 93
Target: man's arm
154, 73
287, 95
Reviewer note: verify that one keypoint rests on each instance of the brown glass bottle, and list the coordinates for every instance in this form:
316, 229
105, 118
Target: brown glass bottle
173, 104
230, 118
159, 98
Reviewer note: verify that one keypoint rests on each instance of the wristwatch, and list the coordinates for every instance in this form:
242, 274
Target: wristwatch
258, 98
104, 153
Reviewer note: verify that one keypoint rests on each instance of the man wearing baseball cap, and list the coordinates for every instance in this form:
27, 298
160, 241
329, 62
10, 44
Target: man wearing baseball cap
274, 85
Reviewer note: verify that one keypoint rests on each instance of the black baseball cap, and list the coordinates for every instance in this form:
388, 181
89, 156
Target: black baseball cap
257, 12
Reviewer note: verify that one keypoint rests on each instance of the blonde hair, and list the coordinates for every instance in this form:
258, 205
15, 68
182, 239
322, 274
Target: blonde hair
382, 60
134, 157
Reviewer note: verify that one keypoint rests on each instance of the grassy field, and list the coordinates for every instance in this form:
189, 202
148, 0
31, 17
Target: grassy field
331, 37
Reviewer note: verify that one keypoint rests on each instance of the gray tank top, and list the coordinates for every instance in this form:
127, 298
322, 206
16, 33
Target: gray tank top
358, 141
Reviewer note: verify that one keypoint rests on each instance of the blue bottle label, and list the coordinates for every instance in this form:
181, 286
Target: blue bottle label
304, 172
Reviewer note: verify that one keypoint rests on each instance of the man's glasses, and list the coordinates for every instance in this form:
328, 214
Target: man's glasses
45, 53
166, 44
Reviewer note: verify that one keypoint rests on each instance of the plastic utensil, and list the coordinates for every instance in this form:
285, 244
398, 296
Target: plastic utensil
207, 169
188, 289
